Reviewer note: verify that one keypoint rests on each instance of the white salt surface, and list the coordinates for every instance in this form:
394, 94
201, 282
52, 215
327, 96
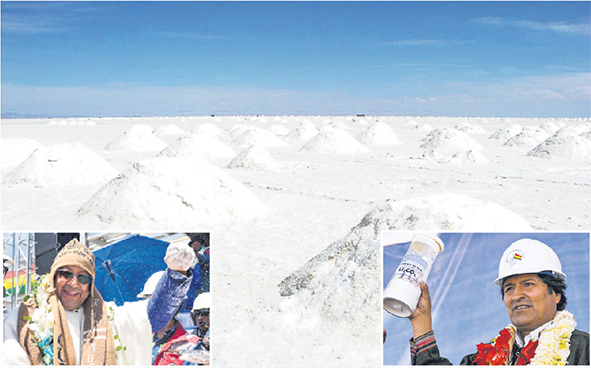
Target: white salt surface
324, 206
252, 136
171, 129
207, 129
202, 145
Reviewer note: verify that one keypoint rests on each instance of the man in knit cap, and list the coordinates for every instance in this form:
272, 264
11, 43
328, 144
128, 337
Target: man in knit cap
67, 322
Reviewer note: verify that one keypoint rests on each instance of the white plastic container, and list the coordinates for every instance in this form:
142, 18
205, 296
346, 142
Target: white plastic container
403, 291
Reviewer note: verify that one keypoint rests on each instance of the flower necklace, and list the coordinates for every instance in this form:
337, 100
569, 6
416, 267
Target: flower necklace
552, 348
42, 321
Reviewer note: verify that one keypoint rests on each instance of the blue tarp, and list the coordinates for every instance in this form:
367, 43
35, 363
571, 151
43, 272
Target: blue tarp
123, 268
467, 306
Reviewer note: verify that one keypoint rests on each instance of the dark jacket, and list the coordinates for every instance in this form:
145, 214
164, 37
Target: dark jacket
424, 351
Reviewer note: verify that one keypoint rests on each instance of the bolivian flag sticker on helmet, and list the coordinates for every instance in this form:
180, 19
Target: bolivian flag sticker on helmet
514, 257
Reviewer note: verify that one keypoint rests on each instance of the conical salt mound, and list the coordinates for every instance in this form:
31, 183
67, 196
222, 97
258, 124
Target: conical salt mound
507, 132
13, 151
341, 279
202, 145
450, 139
256, 158
303, 133
331, 140
470, 128
63, 165
258, 136
529, 137
379, 134
137, 138
177, 192
169, 129
576, 148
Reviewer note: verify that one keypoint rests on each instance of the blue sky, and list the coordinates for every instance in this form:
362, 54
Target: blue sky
519, 59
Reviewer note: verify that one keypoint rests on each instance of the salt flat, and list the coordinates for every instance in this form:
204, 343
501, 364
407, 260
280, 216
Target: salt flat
308, 183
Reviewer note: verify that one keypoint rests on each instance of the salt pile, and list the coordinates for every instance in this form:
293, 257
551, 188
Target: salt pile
172, 192
564, 146
378, 134
445, 212
202, 145
207, 129
449, 139
551, 127
13, 151
341, 280
331, 140
255, 158
62, 165
572, 130
138, 138
279, 130
507, 132
258, 136
529, 137
303, 133
470, 128
168, 129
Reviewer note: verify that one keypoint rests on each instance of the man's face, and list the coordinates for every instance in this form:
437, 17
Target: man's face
196, 245
528, 302
69, 291
201, 319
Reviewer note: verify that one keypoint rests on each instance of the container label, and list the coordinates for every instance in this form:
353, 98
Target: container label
412, 268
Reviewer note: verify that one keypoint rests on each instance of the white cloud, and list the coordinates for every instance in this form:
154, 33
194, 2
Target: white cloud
559, 27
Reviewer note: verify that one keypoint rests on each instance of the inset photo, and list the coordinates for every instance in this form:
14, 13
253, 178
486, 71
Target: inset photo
485, 298
106, 298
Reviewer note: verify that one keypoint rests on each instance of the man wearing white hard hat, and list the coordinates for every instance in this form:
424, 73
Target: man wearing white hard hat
200, 314
541, 332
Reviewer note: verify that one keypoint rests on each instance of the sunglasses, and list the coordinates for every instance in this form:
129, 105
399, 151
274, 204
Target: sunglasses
68, 275
200, 313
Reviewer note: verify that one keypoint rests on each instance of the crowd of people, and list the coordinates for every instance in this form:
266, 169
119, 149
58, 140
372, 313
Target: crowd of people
65, 321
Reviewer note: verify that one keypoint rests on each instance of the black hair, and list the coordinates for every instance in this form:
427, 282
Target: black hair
554, 283
202, 238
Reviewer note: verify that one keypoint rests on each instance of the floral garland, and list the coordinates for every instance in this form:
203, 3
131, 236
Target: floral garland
42, 321
552, 348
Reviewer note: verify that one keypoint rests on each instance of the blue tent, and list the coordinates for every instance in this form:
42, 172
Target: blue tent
467, 307
123, 268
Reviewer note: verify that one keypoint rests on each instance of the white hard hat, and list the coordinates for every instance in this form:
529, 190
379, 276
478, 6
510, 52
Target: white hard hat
202, 301
528, 256
150, 285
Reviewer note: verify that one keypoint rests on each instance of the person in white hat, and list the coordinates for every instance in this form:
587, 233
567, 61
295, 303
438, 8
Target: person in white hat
541, 332
200, 314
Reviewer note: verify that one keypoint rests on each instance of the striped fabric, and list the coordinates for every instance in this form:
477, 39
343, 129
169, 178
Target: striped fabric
422, 343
